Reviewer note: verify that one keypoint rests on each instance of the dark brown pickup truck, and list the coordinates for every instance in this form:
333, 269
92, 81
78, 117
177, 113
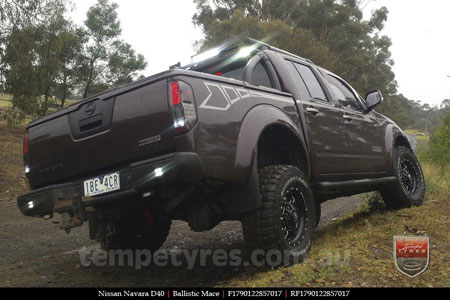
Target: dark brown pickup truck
246, 132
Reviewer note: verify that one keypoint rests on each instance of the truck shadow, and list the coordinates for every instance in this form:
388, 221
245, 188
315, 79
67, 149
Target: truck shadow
198, 259
186, 259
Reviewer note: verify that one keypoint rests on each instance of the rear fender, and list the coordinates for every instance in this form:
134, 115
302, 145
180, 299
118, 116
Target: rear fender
247, 197
254, 123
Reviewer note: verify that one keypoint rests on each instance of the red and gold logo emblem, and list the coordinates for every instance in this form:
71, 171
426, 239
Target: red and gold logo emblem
411, 254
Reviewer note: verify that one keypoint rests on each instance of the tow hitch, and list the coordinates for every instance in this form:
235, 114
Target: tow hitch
73, 212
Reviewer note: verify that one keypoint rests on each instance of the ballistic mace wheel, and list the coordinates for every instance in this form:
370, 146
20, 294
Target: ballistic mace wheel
409, 187
293, 215
408, 176
286, 219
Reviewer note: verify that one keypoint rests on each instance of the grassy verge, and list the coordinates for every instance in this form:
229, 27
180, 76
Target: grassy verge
419, 136
12, 178
5, 103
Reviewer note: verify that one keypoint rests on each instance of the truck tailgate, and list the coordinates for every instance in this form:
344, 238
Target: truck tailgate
99, 134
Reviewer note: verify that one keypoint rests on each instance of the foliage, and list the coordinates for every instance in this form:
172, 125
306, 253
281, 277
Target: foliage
373, 202
440, 142
40, 63
107, 61
16, 15
45, 57
331, 33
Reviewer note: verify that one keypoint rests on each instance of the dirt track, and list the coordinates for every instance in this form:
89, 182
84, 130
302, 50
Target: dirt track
36, 253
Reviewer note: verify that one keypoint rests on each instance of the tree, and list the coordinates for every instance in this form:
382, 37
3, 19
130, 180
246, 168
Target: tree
398, 108
44, 57
440, 141
16, 15
71, 41
107, 61
32, 61
445, 104
329, 32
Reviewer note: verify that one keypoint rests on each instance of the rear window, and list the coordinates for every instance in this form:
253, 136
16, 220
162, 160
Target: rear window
260, 76
298, 81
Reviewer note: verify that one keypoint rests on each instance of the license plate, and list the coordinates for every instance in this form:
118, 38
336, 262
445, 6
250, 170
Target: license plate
102, 184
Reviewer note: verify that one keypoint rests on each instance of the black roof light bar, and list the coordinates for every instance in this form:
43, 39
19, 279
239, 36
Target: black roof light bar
231, 47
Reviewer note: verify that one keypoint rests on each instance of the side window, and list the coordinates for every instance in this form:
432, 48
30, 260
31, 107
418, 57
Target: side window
342, 92
260, 76
311, 82
298, 81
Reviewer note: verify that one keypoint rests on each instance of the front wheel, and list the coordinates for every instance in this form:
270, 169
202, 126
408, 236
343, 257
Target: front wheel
286, 219
409, 187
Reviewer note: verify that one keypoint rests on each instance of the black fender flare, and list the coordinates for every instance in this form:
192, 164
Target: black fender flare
246, 197
255, 121
392, 135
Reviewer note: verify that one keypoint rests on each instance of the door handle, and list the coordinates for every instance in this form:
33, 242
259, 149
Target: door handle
312, 110
348, 118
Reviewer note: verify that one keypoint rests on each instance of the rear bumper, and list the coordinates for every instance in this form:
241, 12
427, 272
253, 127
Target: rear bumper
136, 178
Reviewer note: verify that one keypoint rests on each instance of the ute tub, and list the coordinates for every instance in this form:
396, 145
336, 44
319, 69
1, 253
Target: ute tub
136, 178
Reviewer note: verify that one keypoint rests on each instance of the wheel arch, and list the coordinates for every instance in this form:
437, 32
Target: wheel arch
278, 144
263, 122
402, 140
394, 137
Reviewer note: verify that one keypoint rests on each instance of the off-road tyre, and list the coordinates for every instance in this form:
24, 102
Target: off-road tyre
409, 186
266, 228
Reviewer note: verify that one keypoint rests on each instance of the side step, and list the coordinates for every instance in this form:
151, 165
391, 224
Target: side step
329, 190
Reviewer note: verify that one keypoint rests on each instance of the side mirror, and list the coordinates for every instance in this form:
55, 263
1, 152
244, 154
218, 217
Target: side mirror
343, 102
373, 99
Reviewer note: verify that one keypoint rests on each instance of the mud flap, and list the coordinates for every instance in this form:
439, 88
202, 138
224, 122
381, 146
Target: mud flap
243, 198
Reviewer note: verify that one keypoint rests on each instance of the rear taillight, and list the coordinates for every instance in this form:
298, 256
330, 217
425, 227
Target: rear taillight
182, 106
175, 93
25, 143
26, 157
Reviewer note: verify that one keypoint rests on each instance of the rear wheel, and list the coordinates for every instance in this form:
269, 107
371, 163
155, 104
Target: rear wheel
287, 217
409, 187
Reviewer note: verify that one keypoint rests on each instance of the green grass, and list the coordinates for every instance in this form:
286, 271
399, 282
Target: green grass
412, 131
418, 135
5, 101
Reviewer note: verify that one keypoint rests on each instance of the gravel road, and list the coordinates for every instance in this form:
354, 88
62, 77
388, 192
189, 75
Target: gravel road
36, 253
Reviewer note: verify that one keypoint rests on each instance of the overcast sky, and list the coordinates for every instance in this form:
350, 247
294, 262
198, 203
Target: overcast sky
163, 32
